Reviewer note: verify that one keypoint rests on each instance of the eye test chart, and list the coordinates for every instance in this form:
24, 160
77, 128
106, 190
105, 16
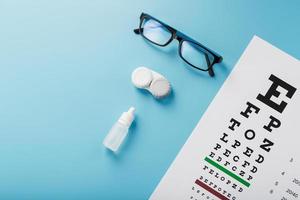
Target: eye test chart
246, 145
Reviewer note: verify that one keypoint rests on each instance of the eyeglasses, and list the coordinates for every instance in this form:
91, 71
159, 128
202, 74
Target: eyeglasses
191, 51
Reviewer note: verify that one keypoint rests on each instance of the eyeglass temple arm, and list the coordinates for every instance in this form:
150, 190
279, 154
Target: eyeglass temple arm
211, 72
210, 69
137, 31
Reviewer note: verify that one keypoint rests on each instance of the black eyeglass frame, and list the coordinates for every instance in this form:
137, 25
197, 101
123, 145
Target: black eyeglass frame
181, 37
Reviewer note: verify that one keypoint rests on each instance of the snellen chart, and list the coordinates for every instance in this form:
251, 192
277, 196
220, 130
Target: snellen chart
245, 145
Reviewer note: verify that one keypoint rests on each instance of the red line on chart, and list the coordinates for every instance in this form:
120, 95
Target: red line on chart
209, 189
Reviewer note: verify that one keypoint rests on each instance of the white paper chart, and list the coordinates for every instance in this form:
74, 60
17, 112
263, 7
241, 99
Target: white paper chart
247, 144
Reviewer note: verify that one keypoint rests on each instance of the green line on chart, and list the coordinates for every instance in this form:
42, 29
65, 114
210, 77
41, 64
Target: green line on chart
226, 171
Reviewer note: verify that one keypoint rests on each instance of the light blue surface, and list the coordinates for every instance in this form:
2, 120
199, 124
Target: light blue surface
65, 71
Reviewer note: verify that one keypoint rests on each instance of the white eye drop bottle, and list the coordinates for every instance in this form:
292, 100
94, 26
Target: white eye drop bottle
119, 131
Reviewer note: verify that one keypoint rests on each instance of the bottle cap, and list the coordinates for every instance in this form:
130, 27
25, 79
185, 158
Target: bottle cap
127, 117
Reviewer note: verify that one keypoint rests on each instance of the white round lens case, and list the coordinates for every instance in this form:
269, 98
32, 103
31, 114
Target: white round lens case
155, 83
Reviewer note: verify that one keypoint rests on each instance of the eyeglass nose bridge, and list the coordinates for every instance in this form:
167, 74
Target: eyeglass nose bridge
178, 38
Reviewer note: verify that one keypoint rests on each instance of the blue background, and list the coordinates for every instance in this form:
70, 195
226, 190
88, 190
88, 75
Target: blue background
65, 70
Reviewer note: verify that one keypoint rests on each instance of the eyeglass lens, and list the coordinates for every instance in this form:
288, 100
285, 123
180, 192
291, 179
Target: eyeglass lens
155, 31
195, 55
